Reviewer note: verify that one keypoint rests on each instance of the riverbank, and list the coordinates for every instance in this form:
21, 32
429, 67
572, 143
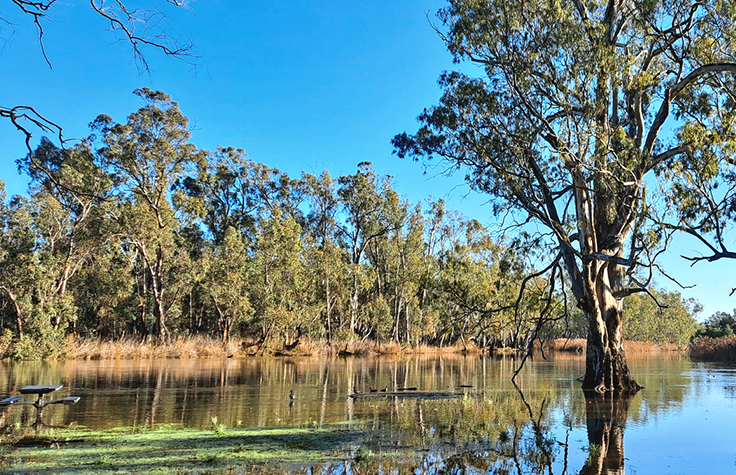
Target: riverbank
714, 349
206, 347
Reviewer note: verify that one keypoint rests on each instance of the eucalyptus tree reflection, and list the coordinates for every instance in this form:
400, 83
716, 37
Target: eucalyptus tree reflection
606, 415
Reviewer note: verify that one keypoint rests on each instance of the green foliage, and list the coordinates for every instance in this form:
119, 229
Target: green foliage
673, 322
718, 325
564, 127
363, 456
219, 429
136, 232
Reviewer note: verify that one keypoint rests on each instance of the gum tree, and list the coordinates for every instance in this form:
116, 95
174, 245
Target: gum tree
568, 122
146, 156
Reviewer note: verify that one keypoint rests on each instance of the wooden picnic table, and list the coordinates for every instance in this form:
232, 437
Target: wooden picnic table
39, 403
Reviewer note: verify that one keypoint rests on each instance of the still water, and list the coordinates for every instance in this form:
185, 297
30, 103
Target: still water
683, 422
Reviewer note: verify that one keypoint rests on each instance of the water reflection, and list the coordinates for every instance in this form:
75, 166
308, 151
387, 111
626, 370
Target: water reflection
546, 424
606, 417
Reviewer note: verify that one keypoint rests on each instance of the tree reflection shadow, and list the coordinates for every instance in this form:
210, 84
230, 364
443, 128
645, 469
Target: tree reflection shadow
531, 446
606, 416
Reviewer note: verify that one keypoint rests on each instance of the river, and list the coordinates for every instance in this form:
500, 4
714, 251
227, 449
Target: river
477, 421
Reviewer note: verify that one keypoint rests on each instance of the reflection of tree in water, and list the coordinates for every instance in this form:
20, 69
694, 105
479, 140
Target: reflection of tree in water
508, 434
606, 415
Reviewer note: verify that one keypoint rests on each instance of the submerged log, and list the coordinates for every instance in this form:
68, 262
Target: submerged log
420, 395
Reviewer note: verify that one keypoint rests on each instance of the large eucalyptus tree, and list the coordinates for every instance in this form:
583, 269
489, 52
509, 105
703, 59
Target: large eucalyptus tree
577, 107
146, 156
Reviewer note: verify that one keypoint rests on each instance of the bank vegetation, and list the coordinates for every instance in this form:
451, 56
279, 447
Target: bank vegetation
137, 243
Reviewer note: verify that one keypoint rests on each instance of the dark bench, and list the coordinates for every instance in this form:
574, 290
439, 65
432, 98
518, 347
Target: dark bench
39, 403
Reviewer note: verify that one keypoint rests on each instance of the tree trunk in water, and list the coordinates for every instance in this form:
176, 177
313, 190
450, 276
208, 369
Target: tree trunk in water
606, 368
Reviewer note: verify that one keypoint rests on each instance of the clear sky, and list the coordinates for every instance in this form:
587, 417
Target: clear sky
300, 85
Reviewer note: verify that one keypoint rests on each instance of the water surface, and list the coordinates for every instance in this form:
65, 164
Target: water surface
681, 423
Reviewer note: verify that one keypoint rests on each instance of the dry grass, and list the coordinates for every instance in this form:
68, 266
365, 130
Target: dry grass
575, 345
182, 348
632, 348
645, 347
714, 349
205, 347
446, 349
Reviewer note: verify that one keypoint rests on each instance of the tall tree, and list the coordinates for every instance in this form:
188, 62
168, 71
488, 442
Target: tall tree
567, 125
279, 285
323, 227
225, 281
71, 194
365, 201
147, 155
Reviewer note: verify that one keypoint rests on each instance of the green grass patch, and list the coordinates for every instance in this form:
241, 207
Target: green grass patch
176, 450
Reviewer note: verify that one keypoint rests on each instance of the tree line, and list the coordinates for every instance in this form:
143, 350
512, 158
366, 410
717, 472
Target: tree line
136, 232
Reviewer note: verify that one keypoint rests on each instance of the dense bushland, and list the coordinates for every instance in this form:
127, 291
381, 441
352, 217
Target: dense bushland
137, 233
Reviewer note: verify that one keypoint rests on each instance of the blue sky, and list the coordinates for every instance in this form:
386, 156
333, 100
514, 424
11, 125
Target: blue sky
300, 85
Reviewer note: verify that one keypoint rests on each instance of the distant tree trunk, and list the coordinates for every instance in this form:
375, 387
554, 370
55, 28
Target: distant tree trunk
329, 307
397, 317
156, 272
65, 276
407, 321
18, 312
224, 323
354, 302
139, 324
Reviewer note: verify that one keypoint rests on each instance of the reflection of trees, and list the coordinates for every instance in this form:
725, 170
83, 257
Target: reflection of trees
507, 433
606, 415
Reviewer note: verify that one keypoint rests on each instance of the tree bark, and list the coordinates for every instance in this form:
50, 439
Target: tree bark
606, 368
18, 312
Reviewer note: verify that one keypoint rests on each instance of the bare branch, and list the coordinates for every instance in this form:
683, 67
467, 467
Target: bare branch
143, 28
20, 114
38, 11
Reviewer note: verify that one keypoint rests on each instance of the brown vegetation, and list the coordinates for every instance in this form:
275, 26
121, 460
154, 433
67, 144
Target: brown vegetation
716, 349
207, 347
579, 345
130, 348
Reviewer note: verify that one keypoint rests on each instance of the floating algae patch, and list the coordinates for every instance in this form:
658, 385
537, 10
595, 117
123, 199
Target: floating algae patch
176, 450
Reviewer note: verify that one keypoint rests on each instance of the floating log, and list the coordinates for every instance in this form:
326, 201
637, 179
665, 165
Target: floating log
419, 395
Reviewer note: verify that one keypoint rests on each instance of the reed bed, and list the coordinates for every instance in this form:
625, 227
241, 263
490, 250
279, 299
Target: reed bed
129, 348
714, 349
207, 347
632, 348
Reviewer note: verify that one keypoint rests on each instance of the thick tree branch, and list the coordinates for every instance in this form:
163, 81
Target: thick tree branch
671, 93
